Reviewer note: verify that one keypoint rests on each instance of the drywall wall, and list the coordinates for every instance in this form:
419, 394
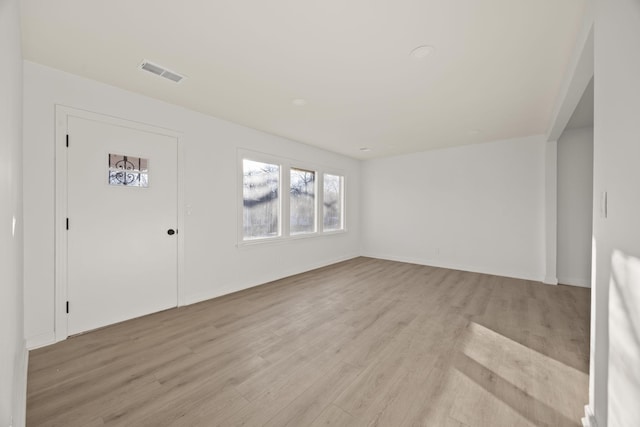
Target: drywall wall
213, 263
575, 206
616, 282
477, 208
12, 348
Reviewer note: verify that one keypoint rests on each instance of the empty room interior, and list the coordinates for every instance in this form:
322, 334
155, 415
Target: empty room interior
389, 213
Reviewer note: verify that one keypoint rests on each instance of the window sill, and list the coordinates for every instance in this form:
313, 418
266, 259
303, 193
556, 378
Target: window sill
270, 241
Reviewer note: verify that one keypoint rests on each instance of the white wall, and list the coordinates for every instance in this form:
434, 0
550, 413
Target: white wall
616, 294
213, 264
575, 205
477, 208
12, 348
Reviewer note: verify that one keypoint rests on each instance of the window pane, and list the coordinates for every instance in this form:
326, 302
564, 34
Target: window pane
128, 171
261, 203
302, 201
332, 209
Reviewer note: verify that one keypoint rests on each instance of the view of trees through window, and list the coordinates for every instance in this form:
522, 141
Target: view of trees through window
261, 204
315, 200
302, 201
332, 202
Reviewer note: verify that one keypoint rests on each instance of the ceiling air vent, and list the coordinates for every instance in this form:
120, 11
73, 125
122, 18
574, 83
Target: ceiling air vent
161, 71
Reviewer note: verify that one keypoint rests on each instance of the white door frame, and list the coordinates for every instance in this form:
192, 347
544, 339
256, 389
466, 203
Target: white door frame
62, 113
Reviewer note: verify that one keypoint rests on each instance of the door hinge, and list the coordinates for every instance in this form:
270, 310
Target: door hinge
67, 140
67, 307
67, 223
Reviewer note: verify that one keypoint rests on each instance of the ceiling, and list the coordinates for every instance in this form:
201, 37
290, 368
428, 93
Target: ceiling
495, 73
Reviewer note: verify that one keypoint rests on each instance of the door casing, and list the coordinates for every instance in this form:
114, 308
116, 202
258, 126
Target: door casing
62, 113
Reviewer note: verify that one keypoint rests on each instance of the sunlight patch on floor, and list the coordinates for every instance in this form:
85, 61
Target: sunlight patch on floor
503, 378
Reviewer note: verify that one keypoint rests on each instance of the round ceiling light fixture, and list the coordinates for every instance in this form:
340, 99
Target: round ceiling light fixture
299, 102
422, 52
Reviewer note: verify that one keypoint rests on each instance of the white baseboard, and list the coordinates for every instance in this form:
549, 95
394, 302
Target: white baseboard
589, 420
316, 265
20, 392
550, 280
575, 281
229, 288
454, 266
218, 291
41, 340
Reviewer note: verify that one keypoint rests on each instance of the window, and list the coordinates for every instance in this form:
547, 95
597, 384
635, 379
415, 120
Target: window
260, 199
302, 201
332, 202
283, 198
128, 171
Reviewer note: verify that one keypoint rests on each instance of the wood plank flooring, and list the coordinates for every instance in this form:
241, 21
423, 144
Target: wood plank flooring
365, 342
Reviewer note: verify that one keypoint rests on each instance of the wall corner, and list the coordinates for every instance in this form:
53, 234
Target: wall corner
551, 212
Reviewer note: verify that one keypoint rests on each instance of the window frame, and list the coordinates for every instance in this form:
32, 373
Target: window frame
241, 191
316, 227
343, 192
284, 228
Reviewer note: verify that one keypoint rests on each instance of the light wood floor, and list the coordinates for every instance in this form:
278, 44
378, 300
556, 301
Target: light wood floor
361, 343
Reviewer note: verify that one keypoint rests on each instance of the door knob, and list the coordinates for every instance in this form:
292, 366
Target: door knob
171, 232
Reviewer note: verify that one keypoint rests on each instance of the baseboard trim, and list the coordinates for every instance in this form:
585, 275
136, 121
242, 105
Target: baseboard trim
230, 288
20, 384
316, 265
574, 281
550, 281
453, 266
589, 419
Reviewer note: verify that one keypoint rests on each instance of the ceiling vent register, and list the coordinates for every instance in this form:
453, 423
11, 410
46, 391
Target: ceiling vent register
161, 71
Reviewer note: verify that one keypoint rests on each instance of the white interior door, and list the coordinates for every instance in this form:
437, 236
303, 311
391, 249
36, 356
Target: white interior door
122, 259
